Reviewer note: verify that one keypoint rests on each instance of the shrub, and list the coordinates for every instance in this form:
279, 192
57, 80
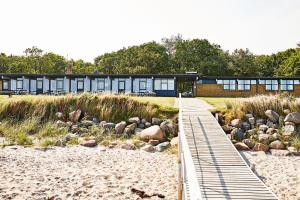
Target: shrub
47, 142
73, 141
21, 138
49, 130
296, 143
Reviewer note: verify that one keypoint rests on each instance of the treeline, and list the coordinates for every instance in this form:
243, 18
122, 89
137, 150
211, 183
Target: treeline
172, 55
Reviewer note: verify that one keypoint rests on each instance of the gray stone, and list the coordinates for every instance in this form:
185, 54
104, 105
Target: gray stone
263, 137
270, 123
156, 121
246, 126
129, 130
260, 122
140, 125
147, 124
134, 120
293, 117
276, 145
148, 148
143, 121
290, 123
226, 128
263, 127
251, 121
275, 136
237, 123
162, 146
95, 120
102, 123
60, 143
70, 136
250, 143
271, 131
286, 111
109, 125
251, 132
289, 130
59, 115
154, 133
128, 146
272, 115
248, 116
237, 134
138, 131
120, 127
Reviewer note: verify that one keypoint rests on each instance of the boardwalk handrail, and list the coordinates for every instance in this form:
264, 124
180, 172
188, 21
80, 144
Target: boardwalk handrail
191, 188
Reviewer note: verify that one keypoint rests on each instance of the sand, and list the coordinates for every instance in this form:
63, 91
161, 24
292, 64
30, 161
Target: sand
85, 173
280, 173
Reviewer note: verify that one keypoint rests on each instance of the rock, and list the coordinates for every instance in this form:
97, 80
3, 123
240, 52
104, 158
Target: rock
153, 142
276, 152
154, 133
87, 123
270, 123
250, 143
120, 127
237, 134
59, 115
168, 127
241, 146
251, 121
162, 146
102, 123
174, 141
286, 111
293, 151
109, 125
143, 121
128, 146
75, 116
156, 121
137, 131
69, 124
251, 132
276, 145
129, 130
60, 143
74, 128
140, 125
148, 148
275, 136
246, 126
263, 127
89, 143
290, 123
289, 130
271, 131
134, 120
113, 143
60, 123
248, 116
263, 137
261, 147
70, 136
293, 117
95, 120
226, 128
260, 122
147, 124
237, 123
272, 115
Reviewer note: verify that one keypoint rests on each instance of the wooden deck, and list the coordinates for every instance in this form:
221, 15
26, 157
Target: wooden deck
221, 172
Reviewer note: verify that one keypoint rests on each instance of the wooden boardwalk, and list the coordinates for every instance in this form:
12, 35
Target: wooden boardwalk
221, 172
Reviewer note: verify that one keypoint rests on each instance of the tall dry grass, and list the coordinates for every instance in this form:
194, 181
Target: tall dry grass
105, 107
257, 106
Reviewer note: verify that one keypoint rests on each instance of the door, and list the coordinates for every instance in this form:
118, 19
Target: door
39, 86
121, 87
80, 85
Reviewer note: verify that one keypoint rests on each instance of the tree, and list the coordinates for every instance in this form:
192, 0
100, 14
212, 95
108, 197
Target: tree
291, 65
242, 63
33, 54
170, 43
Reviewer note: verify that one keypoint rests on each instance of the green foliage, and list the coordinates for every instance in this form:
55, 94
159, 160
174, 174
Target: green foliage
73, 141
296, 143
47, 143
49, 130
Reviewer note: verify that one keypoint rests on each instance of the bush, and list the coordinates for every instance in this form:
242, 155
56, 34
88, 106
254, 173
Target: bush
47, 142
296, 143
21, 138
49, 130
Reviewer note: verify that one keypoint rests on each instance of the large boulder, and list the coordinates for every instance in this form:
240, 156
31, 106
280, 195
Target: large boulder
241, 146
154, 133
162, 146
129, 130
293, 117
237, 123
134, 120
272, 115
277, 145
120, 127
237, 134
75, 116
261, 147
169, 128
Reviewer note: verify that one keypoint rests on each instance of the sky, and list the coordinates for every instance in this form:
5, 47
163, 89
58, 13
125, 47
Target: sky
84, 29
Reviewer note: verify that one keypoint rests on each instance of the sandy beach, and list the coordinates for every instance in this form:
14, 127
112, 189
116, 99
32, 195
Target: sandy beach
281, 174
85, 173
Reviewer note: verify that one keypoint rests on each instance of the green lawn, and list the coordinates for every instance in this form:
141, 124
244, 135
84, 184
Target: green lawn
162, 101
218, 102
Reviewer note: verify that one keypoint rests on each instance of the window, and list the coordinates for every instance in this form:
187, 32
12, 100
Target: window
121, 85
100, 84
5, 84
229, 84
296, 82
19, 84
244, 84
80, 84
143, 84
59, 84
164, 84
286, 85
271, 85
39, 84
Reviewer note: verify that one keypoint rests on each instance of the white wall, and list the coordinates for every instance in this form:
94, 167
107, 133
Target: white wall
66, 84
45, 84
74, 85
33, 85
13, 84
25, 84
86, 84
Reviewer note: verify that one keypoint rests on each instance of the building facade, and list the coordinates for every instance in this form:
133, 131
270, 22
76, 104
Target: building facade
150, 84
